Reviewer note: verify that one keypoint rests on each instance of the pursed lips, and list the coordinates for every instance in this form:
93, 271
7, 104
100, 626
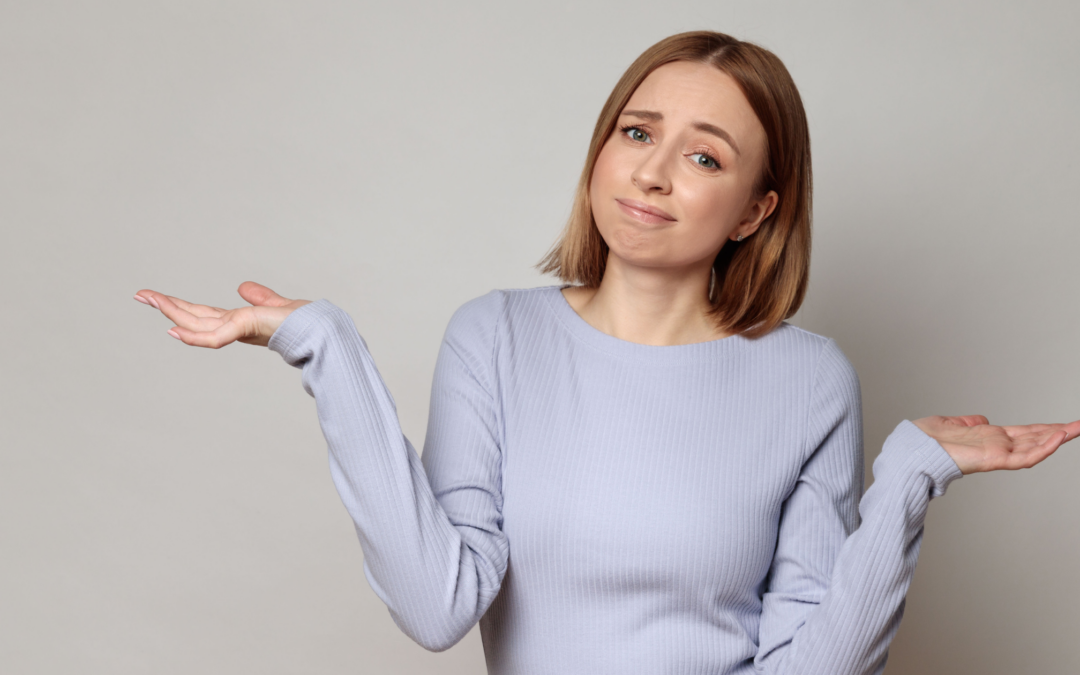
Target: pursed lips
643, 212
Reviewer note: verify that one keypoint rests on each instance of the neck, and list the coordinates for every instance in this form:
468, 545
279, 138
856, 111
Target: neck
649, 306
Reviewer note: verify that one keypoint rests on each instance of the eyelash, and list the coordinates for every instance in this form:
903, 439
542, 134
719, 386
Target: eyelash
715, 161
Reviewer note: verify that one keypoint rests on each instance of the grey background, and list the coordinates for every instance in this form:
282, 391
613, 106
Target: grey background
169, 509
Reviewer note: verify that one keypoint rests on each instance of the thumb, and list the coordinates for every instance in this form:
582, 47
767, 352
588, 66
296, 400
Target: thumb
971, 420
260, 295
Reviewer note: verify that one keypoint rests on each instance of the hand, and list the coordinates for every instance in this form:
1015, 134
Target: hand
214, 327
976, 445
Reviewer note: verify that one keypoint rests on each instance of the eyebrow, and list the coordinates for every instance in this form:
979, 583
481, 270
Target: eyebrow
654, 116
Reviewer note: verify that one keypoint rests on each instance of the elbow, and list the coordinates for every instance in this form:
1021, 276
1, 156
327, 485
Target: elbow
434, 638
439, 643
436, 612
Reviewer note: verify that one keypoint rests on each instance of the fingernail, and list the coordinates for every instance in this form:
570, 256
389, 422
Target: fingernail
141, 299
173, 333
154, 302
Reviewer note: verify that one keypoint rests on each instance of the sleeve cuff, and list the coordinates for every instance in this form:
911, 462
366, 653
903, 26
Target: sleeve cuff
295, 326
909, 450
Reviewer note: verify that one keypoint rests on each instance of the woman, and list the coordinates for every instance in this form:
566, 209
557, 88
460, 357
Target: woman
648, 471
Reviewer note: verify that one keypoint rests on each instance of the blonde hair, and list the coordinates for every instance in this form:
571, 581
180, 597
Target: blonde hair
761, 280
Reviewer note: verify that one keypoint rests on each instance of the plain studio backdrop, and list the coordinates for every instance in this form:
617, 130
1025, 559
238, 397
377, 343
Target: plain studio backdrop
169, 509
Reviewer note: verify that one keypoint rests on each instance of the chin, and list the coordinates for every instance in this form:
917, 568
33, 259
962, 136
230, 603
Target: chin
653, 257
633, 245
646, 248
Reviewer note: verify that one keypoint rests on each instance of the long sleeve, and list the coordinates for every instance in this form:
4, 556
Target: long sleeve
836, 589
434, 550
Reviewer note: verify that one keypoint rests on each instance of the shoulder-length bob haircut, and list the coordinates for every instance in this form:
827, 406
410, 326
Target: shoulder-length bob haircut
761, 280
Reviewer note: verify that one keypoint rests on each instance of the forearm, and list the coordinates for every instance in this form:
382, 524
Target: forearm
436, 583
849, 632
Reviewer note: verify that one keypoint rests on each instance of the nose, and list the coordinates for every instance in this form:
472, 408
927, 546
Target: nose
653, 173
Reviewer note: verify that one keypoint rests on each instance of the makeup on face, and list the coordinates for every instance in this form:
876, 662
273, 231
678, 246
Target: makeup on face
675, 179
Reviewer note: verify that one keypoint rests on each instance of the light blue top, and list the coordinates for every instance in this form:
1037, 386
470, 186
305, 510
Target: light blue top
602, 506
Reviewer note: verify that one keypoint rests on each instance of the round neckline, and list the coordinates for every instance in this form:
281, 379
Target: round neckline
598, 339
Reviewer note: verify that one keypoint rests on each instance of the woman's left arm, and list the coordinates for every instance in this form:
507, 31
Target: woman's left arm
836, 589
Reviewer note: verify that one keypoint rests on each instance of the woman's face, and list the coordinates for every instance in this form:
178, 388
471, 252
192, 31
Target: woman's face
675, 180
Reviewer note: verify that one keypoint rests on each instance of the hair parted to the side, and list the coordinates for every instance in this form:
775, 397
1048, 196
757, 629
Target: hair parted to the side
761, 280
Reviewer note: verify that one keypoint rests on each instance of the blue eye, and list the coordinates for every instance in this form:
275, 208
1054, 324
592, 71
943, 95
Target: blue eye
705, 161
636, 134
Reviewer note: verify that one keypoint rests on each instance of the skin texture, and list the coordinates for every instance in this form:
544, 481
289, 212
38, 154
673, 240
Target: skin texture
214, 327
655, 285
656, 282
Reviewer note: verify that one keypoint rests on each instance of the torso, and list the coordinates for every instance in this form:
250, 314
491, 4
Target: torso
642, 489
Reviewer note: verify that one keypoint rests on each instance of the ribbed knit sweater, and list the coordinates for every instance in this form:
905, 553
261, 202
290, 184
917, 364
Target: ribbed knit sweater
602, 506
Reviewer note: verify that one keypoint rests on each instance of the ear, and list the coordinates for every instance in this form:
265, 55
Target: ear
756, 213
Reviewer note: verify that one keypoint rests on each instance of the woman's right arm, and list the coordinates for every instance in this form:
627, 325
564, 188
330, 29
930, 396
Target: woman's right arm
437, 561
434, 550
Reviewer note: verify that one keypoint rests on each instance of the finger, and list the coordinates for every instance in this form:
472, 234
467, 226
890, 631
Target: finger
260, 295
147, 297
202, 311
226, 333
970, 420
1072, 430
1035, 449
152, 298
1020, 430
1047, 448
182, 317
1036, 438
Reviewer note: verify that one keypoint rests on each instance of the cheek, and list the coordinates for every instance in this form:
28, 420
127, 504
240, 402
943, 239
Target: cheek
605, 177
709, 210
716, 206
605, 171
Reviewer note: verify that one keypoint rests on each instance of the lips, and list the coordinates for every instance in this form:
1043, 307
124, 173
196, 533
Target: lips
643, 212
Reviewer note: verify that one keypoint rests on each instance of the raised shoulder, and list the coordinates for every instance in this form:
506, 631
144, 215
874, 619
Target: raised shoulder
477, 323
472, 333
835, 401
820, 353
835, 372
476, 319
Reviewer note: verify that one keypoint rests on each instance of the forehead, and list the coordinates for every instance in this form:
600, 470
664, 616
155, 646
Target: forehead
685, 92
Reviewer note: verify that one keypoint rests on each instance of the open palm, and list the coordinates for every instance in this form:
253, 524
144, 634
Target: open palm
976, 445
214, 327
